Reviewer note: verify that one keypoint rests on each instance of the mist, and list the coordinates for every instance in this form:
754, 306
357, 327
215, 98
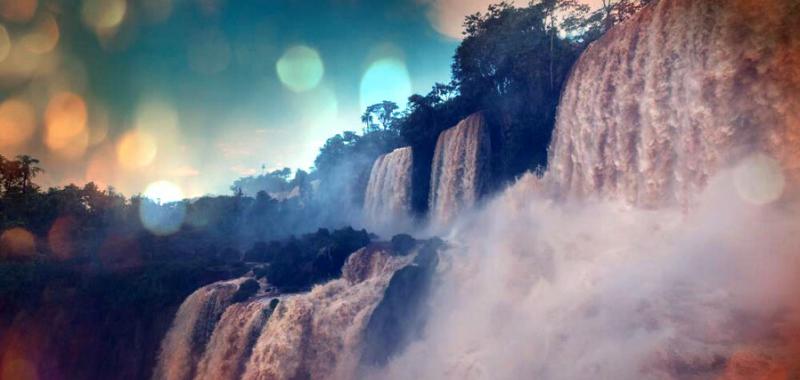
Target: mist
595, 289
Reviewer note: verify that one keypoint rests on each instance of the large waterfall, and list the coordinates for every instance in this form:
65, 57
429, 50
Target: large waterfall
461, 168
690, 110
314, 335
661, 103
387, 202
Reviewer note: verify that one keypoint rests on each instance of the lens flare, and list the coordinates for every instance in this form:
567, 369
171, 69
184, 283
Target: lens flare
17, 122
209, 52
161, 212
65, 121
103, 15
5, 43
18, 10
17, 243
136, 149
385, 79
60, 238
300, 68
759, 179
44, 36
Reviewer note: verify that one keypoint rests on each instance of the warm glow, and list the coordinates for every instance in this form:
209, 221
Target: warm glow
44, 36
136, 149
60, 238
103, 15
163, 192
300, 68
385, 79
65, 121
5, 43
17, 243
18, 10
17, 122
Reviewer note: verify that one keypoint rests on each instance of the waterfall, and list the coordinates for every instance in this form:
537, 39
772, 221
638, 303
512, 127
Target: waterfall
460, 170
318, 334
233, 340
194, 324
691, 110
662, 102
387, 202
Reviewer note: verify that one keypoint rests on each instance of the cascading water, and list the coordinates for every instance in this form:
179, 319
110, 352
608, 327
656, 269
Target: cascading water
387, 202
692, 110
658, 105
194, 324
460, 170
318, 335
233, 340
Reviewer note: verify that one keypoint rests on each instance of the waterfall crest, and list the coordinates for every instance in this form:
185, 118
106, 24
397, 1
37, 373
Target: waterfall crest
318, 334
662, 102
461, 168
387, 201
193, 326
233, 340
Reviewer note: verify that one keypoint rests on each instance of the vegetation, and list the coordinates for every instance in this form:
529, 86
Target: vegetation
511, 65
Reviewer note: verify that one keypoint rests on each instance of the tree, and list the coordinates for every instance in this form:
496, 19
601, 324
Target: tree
28, 170
384, 112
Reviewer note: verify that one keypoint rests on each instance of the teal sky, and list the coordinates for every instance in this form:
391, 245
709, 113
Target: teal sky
201, 92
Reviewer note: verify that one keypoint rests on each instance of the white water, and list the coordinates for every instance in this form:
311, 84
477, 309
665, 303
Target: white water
318, 335
387, 202
660, 104
229, 348
460, 170
193, 326
690, 110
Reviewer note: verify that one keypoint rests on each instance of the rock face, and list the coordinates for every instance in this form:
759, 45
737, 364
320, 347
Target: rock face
461, 168
664, 101
387, 201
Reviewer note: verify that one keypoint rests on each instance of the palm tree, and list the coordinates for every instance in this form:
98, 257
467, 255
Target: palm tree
28, 170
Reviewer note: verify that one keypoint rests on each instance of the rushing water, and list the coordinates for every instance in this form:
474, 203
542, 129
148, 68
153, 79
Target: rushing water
461, 169
387, 202
661, 103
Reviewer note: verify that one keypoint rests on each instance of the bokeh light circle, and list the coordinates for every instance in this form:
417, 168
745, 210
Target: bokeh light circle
18, 10
161, 211
385, 79
759, 179
44, 36
5, 43
17, 243
61, 238
103, 14
17, 122
209, 52
65, 121
136, 149
300, 68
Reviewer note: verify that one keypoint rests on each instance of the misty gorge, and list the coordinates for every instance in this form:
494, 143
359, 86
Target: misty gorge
602, 190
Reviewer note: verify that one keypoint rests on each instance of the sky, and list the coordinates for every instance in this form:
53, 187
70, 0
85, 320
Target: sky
198, 93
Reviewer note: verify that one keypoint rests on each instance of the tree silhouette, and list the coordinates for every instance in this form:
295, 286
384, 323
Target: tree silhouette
28, 170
